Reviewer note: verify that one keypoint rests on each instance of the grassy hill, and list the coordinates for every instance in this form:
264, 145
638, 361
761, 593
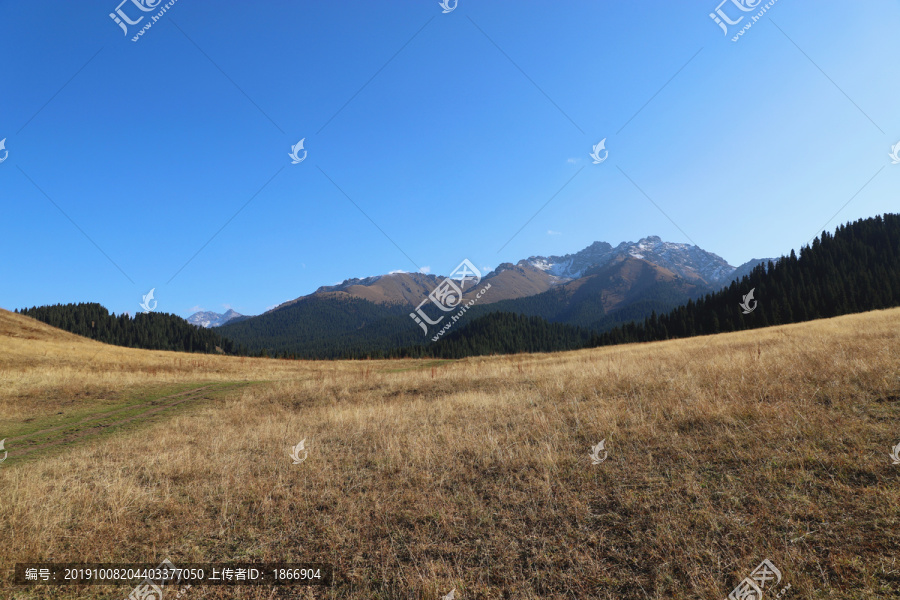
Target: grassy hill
424, 476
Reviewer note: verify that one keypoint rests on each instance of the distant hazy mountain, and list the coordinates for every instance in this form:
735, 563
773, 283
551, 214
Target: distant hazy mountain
747, 267
212, 319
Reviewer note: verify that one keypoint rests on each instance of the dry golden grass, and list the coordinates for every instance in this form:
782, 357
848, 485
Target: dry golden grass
723, 451
43, 369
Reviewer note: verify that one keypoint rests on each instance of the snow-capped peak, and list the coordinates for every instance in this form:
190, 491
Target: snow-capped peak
690, 262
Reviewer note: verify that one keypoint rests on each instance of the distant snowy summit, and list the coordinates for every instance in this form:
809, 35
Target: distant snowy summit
690, 262
212, 319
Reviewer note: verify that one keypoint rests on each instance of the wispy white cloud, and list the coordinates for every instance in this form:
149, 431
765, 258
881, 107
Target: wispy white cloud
572, 161
195, 309
551, 232
394, 272
425, 269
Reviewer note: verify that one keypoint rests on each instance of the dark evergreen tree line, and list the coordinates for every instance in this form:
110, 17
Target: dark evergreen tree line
856, 269
505, 333
151, 331
327, 328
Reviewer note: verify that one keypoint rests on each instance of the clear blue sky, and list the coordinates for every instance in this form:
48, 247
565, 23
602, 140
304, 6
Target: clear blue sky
450, 131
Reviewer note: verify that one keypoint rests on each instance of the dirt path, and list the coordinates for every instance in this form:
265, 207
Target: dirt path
153, 406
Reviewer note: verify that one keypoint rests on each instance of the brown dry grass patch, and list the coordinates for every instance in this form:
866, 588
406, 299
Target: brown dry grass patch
723, 451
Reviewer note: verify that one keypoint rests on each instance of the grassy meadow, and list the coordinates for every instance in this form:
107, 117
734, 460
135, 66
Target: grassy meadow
424, 476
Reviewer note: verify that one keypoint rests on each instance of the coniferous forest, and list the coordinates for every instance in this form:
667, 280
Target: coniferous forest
856, 269
151, 331
507, 333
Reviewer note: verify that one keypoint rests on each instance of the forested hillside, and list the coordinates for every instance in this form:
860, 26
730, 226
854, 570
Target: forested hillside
152, 331
855, 269
501, 333
326, 328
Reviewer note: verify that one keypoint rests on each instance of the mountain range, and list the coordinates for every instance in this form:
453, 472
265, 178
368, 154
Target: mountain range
596, 288
635, 292
539, 274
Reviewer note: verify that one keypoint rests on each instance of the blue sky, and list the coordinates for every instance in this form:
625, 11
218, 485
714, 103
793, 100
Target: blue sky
431, 137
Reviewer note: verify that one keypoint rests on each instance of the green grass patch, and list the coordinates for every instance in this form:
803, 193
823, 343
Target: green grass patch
138, 409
